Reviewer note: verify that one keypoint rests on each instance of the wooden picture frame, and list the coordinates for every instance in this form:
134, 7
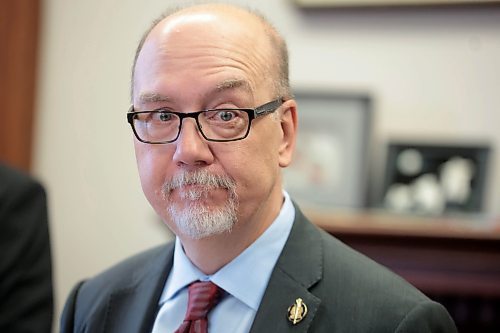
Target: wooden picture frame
322, 4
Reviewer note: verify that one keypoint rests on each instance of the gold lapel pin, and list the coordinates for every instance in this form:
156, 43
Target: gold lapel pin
297, 311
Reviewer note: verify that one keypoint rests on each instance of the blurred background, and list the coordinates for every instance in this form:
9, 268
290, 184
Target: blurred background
414, 87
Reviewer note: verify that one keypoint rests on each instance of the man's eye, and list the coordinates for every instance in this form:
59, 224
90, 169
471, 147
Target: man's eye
226, 115
163, 116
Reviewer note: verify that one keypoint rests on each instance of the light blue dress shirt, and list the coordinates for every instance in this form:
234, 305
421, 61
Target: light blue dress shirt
244, 280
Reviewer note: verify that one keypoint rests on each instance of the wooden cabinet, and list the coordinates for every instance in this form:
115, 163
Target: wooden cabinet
19, 29
453, 260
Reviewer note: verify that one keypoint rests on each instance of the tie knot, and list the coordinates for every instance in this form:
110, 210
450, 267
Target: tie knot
203, 296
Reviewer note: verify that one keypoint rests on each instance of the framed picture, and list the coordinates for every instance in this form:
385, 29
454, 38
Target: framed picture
435, 179
330, 164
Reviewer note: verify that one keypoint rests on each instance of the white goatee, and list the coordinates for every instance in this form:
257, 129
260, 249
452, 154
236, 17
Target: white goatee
194, 218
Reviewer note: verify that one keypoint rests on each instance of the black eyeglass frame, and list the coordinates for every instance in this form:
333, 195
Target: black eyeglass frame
254, 113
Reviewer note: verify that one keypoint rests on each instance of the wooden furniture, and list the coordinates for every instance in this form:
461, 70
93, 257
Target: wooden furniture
19, 33
453, 260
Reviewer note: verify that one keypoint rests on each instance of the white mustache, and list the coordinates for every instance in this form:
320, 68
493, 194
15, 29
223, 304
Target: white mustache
200, 177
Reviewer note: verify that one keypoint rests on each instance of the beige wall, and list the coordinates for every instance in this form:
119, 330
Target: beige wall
433, 73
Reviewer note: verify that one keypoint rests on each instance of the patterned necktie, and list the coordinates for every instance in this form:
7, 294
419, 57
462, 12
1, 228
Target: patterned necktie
203, 296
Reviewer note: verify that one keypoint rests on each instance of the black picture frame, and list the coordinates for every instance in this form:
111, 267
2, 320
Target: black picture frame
434, 159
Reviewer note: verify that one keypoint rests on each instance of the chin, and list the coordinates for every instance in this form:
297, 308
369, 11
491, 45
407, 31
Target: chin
197, 220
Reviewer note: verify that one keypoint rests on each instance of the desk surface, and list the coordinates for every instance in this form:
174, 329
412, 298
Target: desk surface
381, 223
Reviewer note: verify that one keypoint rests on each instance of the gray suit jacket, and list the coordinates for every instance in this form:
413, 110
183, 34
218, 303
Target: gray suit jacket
343, 290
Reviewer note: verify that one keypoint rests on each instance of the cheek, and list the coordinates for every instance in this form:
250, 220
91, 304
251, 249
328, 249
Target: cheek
152, 164
257, 163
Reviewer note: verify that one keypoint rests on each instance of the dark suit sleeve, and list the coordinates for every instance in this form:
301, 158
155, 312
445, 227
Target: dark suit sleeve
26, 303
427, 317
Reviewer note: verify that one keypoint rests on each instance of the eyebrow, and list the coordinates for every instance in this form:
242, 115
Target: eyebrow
229, 84
149, 97
233, 84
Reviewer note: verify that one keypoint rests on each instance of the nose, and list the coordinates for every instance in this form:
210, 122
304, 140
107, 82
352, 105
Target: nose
191, 149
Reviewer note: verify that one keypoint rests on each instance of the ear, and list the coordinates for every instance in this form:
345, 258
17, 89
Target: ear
288, 121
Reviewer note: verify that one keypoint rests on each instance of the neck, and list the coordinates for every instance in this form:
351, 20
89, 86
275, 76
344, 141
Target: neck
212, 253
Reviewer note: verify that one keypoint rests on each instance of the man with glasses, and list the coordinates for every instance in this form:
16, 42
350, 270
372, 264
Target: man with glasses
214, 122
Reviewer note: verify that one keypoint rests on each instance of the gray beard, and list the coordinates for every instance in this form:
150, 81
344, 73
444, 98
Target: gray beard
194, 219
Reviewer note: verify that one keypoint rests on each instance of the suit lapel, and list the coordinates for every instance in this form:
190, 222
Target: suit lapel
133, 308
298, 268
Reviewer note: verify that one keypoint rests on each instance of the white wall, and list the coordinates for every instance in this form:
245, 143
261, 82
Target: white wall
433, 74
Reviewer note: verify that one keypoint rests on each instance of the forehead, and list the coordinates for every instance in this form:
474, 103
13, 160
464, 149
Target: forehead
205, 46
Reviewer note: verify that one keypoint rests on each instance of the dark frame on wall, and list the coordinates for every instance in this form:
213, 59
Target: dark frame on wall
456, 174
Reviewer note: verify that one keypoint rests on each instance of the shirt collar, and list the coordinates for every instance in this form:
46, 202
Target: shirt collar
246, 276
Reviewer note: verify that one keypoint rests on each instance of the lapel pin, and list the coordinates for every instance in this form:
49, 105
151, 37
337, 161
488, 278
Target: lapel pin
297, 311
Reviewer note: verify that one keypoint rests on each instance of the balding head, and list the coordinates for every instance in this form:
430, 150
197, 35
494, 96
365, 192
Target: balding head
255, 31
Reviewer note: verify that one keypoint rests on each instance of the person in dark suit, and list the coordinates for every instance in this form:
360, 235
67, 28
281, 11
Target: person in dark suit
26, 303
214, 176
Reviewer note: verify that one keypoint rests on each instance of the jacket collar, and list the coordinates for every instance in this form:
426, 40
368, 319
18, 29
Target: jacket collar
297, 270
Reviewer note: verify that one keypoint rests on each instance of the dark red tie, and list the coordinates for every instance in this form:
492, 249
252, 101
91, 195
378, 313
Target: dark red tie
203, 296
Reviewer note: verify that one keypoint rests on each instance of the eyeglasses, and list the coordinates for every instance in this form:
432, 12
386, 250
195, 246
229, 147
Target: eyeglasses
219, 125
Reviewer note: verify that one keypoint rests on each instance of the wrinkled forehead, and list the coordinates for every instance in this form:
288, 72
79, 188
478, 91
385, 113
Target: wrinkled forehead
192, 40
